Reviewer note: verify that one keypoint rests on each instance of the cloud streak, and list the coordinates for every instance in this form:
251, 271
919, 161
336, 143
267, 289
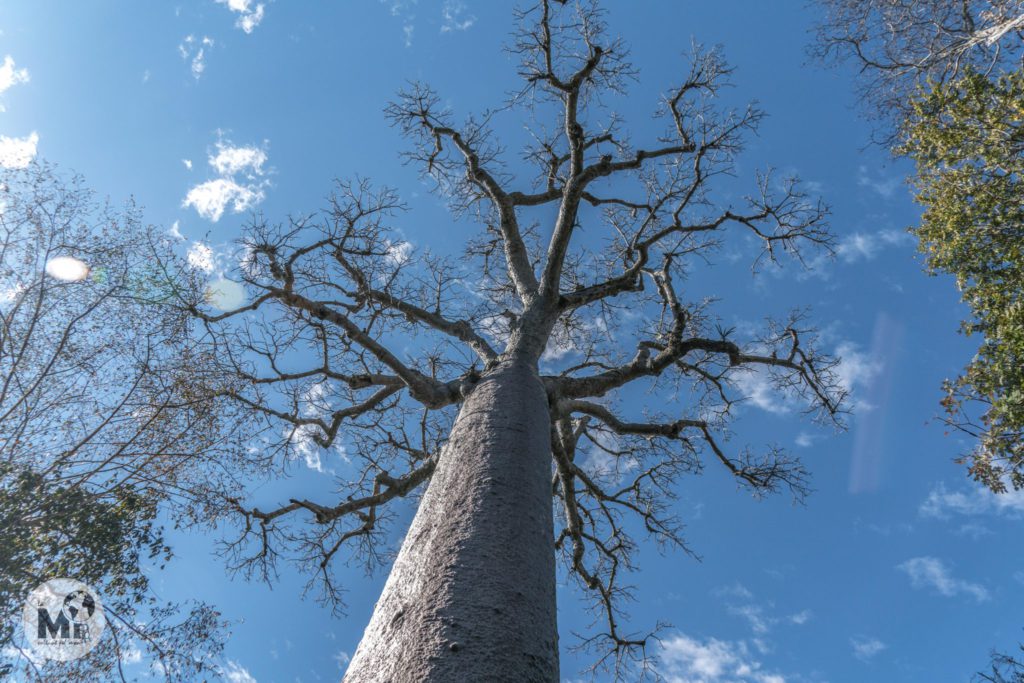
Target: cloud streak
943, 504
932, 573
865, 649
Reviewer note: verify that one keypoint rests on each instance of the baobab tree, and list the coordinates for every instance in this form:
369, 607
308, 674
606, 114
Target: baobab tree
486, 379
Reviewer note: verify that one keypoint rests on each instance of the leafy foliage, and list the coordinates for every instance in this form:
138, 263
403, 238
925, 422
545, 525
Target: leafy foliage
967, 138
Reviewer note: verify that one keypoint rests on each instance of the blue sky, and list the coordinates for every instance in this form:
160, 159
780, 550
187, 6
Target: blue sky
896, 569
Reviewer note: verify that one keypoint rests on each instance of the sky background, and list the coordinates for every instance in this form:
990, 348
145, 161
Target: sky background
896, 569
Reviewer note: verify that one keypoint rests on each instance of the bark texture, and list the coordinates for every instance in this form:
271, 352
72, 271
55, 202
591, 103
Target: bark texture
471, 596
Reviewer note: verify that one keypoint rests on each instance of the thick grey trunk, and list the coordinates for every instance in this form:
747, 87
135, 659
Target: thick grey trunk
471, 596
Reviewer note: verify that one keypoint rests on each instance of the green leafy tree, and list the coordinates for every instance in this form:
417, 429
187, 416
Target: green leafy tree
967, 138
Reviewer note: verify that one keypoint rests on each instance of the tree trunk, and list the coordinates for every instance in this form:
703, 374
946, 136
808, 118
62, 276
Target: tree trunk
471, 596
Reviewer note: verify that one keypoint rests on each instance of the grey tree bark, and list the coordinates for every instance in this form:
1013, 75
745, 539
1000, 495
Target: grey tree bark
471, 596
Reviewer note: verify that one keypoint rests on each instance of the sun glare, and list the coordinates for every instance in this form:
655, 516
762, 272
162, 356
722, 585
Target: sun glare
67, 268
225, 295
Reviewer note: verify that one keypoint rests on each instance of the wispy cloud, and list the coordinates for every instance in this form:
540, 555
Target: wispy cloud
931, 572
804, 440
193, 50
200, 256
754, 614
18, 152
866, 648
240, 186
886, 186
236, 673
857, 369
867, 245
855, 372
11, 76
758, 389
455, 17
690, 660
800, 618
250, 13
736, 590
943, 504
403, 9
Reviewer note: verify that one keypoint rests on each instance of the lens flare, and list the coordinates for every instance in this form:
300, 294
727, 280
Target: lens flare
67, 268
225, 295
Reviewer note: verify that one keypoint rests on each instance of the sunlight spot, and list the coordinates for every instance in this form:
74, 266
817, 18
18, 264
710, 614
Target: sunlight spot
225, 295
67, 268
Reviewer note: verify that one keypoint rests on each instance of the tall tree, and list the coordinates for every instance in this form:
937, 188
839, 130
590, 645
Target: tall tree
450, 374
100, 424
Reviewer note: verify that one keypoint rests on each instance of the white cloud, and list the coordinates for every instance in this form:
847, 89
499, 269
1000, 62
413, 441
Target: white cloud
175, 231
804, 440
18, 152
756, 385
195, 50
402, 9
250, 13
187, 163
398, 253
865, 246
455, 17
931, 572
885, 186
557, 347
942, 504
11, 293
754, 615
736, 590
236, 673
200, 256
211, 198
233, 160
9, 76
600, 461
239, 186
856, 369
866, 648
689, 660
801, 618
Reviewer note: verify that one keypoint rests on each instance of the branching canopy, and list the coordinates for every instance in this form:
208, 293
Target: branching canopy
350, 339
